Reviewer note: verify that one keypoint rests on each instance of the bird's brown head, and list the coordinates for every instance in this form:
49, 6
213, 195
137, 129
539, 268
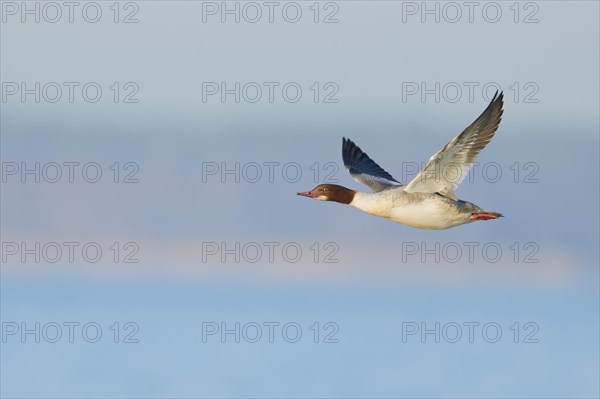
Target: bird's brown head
330, 192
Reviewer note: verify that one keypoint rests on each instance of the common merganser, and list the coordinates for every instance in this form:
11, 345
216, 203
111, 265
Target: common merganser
428, 200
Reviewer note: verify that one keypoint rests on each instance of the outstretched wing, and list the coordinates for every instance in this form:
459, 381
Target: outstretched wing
447, 168
363, 169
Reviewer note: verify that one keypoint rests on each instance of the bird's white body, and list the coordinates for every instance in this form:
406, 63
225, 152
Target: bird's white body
425, 211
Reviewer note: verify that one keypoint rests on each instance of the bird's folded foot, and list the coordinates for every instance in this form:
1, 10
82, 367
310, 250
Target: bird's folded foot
485, 215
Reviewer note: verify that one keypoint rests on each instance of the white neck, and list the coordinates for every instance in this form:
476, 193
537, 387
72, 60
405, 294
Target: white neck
371, 203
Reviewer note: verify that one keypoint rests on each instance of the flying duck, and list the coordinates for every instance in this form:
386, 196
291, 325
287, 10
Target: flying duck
428, 201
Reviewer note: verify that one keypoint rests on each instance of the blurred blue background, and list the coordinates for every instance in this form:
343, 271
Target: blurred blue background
549, 71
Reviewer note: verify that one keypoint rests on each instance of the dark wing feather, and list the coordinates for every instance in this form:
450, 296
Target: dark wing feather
363, 169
